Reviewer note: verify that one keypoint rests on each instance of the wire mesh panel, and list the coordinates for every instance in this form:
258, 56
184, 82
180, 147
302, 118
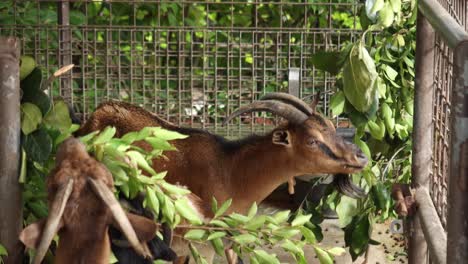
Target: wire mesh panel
441, 130
192, 62
443, 81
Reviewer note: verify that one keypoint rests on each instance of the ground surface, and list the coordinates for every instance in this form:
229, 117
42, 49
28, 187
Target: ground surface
391, 249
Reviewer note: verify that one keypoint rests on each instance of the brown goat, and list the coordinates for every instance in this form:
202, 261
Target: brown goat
247, 170
81, 207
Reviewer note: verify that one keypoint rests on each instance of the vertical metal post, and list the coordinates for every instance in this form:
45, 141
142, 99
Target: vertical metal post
64, 47
422, 132
457, 223
10, 125
294, 76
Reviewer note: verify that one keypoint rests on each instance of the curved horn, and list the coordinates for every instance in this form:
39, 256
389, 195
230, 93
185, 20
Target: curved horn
103, 192
290, 113
53, 220
290, 99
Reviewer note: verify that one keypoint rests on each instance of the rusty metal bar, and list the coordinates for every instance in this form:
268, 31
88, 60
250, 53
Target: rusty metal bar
431, 226
64, 50
11, 217
457, 247
422, 132
443, 22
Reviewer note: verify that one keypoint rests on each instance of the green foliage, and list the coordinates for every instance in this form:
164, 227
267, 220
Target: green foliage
3, 253
375, 91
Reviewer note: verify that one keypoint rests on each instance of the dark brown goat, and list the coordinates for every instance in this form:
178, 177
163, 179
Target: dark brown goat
81, 207
247, 170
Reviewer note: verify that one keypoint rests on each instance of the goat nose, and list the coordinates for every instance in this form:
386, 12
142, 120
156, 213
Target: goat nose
361, 157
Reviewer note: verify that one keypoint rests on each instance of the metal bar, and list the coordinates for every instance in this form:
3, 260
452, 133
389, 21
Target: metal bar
431, 226
10, 190
457, 247
422, 132
65, 49
443, 22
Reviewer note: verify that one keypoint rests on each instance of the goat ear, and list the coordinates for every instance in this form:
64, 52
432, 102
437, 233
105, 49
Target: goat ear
145, 228
31, 235
281, 137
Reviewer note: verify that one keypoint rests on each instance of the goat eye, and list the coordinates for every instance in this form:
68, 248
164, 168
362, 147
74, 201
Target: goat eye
311, 141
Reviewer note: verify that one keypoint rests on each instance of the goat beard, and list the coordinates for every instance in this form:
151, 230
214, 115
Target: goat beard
345, 185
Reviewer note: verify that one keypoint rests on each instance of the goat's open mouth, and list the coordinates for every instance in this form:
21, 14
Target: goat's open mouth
357, 167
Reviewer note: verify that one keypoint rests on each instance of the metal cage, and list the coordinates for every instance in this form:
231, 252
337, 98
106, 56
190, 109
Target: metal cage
192, 62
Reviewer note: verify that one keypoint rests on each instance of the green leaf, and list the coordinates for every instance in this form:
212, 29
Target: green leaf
308, 235
174, 189
195, 234
346, 209
255, 223
218, 234
252, 210
291, 247
168, 210
363, 146
239, 218
107, 134
282, 216
337, 103
377, 130
23, 171
223, 208
218, 245
286, 232
112, 258
159, 144
331, 62
396, 5
3, 251
372, 7
360, 235
139, 159
337, 251
31, 117
390, 72
359, 77
219, 223
38, 146
380, 196
27, 65
214, 204
59, 117
386, 15
244, 239
264, 258
167, 134
301, 220
31, 83
152, 201
187, 211
323, 256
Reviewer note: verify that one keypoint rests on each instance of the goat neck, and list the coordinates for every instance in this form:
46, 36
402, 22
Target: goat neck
257, 168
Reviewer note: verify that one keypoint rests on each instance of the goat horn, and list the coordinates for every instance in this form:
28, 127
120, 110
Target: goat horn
289, 99
290, 113
53, 220
101, 189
